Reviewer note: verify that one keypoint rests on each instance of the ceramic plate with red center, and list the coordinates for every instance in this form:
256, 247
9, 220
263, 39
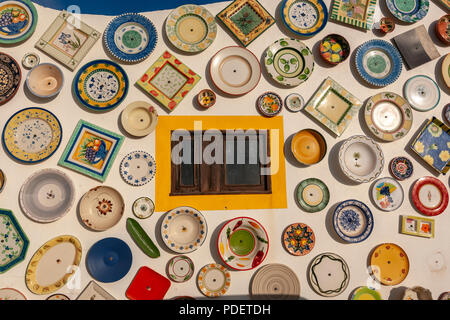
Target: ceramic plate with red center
430, 196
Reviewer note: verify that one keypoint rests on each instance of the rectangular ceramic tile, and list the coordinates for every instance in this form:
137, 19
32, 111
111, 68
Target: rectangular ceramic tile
91, 150
94, 292
68, 40
358, 13
417, 226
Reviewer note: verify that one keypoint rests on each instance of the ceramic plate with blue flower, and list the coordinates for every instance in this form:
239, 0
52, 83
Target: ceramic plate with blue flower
138, 168
408, 10
353, 221
304, 17
18, 20
387, 194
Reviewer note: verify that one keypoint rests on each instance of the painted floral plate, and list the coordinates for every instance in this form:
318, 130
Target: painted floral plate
180, 269
269, 104
298, 239
289, 62
430, 196
422, 93
401, 168
312, 195
11, 77
139, 119
275, 282
138, 168
334, 49
387, 194
143, 207
18, 20
441, 29
242, 243
213, 280
308, 146
408, 10
365, 293
11, 294
32, 135
389, 264
304, 17
353, 221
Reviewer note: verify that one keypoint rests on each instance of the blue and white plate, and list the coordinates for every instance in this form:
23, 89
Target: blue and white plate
138, 168
130, 37
378, 62
304, 17
408, 10
353, 221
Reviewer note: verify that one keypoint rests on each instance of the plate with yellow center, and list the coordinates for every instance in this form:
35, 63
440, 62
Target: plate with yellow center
312, 195
389, 264
308, 147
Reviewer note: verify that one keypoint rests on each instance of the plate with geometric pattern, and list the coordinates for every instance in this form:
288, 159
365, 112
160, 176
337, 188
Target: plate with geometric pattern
138, 168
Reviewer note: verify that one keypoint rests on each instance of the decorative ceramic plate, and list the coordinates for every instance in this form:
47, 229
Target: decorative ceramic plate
430, 196
333, 106
206, 98
138, 168
304, 17
11, 294
18, 20
214, 280
408, 10
389, 264
401, 168
180, 269
361, 159
444, 296
388, 116
328, 274
422, 93
308, 146
109, 260
184, 229
365, 293
357, 13
312, 195
269, 104
386, 25
47, 195
2, 180
53, 265
32, 135
30, 60
139, 119
353, 221
445, 70
130, 37
191, 28
58, 296
101, 85
235, 70
298, 239
387, 194
289, 62
243, 243
334, 49
13, 241
442, 27
418, 226
143, 207
378, 62
294, 102
94, 292
11, 77
447, 113
275, 282
101, 208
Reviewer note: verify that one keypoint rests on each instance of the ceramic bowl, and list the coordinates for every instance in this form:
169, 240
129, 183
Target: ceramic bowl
308, 147
45, 80
139, 119
206, 98
442, 27
294, 102
387, 24
334, 49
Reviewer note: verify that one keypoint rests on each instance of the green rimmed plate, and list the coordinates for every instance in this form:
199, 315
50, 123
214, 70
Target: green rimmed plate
312, 195
365, 293
18, 20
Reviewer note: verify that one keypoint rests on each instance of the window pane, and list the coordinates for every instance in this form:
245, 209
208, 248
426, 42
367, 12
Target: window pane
187, 169
244, 168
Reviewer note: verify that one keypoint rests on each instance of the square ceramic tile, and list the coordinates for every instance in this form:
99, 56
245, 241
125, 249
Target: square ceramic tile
358, 13
333, 106
91, 150
68, 40
168, 80
94, 292
246, 19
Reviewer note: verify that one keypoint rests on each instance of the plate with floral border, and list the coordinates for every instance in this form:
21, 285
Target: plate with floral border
11, 77
138, 168
298, 239
389, 264
269, 104
387, 194
430, 196
353, 221
18, 20
180, 269
408, 10
143, 207
304, 17
11, 294
401, 168
213, 280
312, 195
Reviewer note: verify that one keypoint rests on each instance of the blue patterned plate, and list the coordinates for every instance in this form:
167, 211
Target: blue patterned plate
130, 37
378, 62
11, 77
138, 168
353, 221
18, 20
304, 17
408, 10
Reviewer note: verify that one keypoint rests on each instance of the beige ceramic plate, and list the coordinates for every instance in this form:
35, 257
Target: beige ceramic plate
11, 294
275, 281
213, 280
139, 119
446, 70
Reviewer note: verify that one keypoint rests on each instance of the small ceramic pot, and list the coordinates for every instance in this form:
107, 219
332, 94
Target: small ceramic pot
308, 147
206, 98
387, 25
334, 49
30, 60
442, 27
45, 80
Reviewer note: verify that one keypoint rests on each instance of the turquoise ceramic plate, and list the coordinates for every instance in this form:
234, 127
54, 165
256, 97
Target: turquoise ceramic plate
408, 10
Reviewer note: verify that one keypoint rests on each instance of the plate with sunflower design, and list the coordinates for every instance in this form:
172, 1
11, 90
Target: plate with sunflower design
408, 10
353, 221
304, 17
298, 239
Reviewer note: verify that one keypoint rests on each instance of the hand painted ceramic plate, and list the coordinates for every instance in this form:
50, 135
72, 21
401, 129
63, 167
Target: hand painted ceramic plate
298, 239
275, 282
312, 195
2, 180
52, 266
422, 93
304, 17
138, 168
101, 208
58, 296
214, 280
353, 221
139, 119
378, 62
445, 70
442, 27
388, 116
180, 269
430, 196
191, 28
206, 98
387, 194
18, 20
269, 104
7, 294
334, 49
243, 243
444, 296
389, 264
30, 60
101, 85
143, 207
401, 168
109, 260
408, 10
328, 274
294, 102
184, 229
13, 241
235, 70
32, 135
308, 146
130, 37
11, 77
447, 113
289, 62
47, 195
361, 159
365, 293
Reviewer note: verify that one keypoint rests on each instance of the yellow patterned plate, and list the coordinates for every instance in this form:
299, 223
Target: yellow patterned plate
32, 135
214, 280
389, 264
304, 17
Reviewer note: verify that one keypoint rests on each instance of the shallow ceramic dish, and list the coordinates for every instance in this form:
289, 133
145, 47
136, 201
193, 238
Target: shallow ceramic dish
52, 266
138, 168
58, 296
328, 274
11, 79
334, 49
298, 239
304, 17
275, 282
213, 280
312, 195
180, 269
361, 159
32, 135
388, 116
289, 62
308, 146
353, 221
130, 37
143, 207
408, 10
430, 196
365, 293
7, 294
442, 29
94, 292
30, 60
184, 229
139, 119
235, 70
389, 264
242, 243
422, 93
45, 80
269, 104
387, 194
18, 20
101, 208
191, 28
206, 98
445, 70
294, 102
401, 168
2, 180
47, 195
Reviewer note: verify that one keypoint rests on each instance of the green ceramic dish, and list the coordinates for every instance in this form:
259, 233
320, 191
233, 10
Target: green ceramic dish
312, 195
365, 293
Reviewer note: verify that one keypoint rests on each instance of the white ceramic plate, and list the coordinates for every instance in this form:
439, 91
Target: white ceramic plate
139, 119
422, 93
275, 282
143, 207
213, 280
387, 194
138, 168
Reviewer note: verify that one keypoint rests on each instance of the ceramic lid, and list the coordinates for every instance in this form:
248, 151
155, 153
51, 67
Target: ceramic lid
298, 239
138, 168
294, 102
422, 93
389, 264
139, 119
365, 293
18, 21
308, 146
304, 17
430, 196
275, 282
401, 168
387, 194
269, 104
45, 80
11, 294
10, 84
312, 195
334, 49
143, 207
213, 280
180, 268
353, 221
30, 60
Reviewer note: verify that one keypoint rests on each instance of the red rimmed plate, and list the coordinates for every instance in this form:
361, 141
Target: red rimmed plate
430, 196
